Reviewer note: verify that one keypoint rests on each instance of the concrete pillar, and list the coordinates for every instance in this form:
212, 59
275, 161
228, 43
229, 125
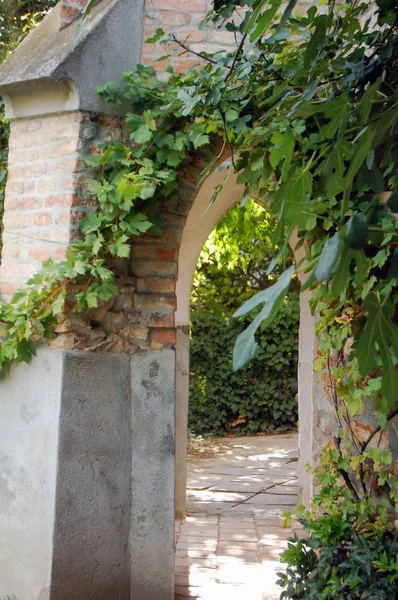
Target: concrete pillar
181, 420
87, 477
65, 451
152, 476
306, 398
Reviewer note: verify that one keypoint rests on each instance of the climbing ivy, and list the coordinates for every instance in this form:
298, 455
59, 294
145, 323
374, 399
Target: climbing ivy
261, 397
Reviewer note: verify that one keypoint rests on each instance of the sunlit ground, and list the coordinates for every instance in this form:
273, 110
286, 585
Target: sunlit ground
229, 545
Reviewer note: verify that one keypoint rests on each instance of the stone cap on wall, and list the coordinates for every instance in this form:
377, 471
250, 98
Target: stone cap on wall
53, 54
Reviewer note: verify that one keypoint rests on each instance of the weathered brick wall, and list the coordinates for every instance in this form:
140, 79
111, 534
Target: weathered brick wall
142, 315
45, 193
181, 17
46, 196
40, 198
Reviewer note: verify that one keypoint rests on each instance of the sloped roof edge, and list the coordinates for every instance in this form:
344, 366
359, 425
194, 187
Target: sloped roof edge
109, 44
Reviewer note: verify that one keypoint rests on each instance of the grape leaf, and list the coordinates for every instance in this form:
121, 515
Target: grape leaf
379, 338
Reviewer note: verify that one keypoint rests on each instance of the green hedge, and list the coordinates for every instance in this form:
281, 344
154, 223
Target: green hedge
261, 397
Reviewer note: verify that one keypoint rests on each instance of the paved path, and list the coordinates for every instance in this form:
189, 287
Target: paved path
228, 548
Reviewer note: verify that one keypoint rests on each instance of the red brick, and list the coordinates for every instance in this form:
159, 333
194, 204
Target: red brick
143, 267
165, 253
174, 18
154, 301
194, 5
42, 218
159, 284
165, 336
23, 203
192, 35
161, 321
183, 64
61, 200
12, 220
7, 288
141, 251
40, 253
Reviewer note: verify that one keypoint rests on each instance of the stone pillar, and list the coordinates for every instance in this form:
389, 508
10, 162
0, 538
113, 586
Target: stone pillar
306, 398
181, 421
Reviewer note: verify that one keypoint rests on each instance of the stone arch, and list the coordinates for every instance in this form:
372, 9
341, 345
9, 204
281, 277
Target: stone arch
200, 221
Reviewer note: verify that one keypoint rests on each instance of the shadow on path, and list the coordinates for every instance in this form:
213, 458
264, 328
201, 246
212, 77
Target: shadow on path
228, 547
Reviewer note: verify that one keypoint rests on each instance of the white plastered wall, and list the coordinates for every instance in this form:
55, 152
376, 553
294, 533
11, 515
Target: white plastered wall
201, 220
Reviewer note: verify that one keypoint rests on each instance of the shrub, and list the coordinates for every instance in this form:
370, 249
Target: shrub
260, 397
339, 563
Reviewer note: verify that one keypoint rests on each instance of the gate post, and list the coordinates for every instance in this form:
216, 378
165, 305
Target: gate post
87, 444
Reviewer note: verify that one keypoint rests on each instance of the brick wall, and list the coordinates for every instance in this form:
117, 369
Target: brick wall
45, 192
71, 10
181, 17
46, 196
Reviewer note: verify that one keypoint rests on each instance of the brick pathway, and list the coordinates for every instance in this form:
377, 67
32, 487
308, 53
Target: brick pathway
229, 545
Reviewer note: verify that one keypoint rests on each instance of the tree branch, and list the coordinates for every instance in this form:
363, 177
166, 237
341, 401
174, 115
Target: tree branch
188, 49
235, 57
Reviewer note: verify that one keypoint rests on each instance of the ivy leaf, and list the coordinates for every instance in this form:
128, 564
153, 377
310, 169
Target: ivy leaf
58, 304
122, 249
356, 232
142, 134
246, 345
140, 223
26, 351
378, 338
91, 222
328, 258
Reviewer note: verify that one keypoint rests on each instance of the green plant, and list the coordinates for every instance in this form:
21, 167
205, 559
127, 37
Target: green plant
258, 398
235, 258
340, 562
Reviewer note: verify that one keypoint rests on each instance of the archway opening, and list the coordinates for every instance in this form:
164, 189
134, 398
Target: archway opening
201, 221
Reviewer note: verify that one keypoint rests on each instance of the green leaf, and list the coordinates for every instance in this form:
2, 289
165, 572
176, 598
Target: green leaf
298, 189
342, 272
246, 345
142, 135
379, 337
58, 304
26, 351
159, 33
91, 222
316, 41
282, 150
356, 233
328, 258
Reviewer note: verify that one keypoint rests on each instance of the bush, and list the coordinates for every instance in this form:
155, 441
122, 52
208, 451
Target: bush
258, 398
339, 563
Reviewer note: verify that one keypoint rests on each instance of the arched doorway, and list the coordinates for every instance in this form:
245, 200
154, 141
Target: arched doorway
201, 220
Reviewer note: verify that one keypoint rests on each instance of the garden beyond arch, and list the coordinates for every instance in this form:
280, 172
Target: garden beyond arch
201, 220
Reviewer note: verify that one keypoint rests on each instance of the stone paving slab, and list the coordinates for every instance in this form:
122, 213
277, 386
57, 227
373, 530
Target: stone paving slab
229, 546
